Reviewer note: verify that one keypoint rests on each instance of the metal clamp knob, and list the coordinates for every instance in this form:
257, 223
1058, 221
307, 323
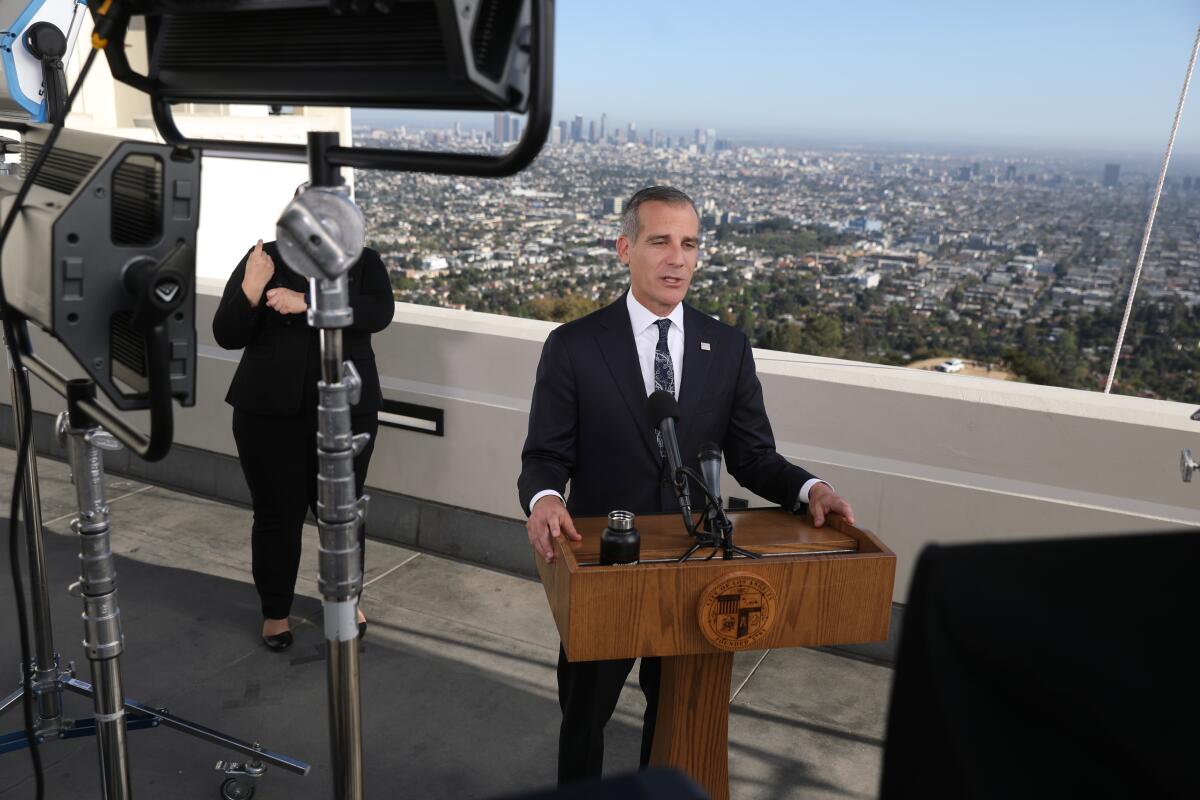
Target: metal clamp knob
320, 233
1187, 465
102, 439
252, 768
353, 383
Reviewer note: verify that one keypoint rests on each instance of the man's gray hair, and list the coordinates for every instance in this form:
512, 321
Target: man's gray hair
631, 225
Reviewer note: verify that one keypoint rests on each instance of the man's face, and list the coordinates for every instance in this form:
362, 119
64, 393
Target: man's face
663, 258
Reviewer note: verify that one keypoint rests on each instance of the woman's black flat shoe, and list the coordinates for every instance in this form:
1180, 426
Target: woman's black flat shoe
362, 629
279, 642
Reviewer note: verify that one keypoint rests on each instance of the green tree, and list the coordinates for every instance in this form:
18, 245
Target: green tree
561, 308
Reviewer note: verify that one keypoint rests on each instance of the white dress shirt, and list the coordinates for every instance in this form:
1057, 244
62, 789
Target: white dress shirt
645, 338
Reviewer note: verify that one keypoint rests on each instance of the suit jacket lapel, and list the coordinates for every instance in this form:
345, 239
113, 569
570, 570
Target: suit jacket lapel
695, 364
620, 355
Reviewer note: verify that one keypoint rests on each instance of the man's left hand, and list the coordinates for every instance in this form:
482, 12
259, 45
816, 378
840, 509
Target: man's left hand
286, 301
823, 500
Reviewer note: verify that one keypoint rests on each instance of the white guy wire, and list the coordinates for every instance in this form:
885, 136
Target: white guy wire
1162, 175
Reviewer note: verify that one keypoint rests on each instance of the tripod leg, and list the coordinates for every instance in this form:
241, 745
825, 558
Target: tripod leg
11, 700
688, 554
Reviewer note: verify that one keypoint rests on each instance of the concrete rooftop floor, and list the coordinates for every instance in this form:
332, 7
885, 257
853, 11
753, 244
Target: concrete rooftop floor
458, 672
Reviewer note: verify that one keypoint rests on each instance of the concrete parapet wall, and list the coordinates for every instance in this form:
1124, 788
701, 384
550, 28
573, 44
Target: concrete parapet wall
922, 456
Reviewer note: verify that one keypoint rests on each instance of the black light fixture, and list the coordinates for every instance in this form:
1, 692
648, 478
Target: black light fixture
469, 55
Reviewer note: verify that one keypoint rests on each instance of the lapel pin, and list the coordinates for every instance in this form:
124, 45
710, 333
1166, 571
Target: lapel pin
705, 346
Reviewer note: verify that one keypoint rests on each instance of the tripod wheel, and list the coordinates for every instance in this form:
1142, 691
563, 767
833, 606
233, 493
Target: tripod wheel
237, 789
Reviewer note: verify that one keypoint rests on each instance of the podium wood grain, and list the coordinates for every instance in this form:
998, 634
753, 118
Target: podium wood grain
832, 585
838, 592
691, 731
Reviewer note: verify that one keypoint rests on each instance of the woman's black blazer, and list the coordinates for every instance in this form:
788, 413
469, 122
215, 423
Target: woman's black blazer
276, 347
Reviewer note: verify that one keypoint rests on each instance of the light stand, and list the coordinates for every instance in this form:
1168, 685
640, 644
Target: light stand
320, 235
45, 660
103, 640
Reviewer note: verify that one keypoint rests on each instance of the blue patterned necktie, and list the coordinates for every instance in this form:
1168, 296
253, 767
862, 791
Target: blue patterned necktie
664, 370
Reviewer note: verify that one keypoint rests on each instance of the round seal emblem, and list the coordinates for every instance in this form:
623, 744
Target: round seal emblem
736, 611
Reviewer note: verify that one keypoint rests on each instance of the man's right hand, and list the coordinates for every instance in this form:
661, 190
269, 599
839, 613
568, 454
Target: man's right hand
550, 520
259, 270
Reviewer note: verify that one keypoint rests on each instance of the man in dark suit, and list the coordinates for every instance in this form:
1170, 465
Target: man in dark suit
588, 425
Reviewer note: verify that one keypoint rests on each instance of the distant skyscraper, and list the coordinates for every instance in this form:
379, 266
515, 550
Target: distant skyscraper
1112, 174
699, 138
577, 128
631, 135
964, 173
556, 134
652, 138
603, 125
614, 205
592, 131
514, 129
1010, 172
975, 169
710, 141
563, 132
499, 128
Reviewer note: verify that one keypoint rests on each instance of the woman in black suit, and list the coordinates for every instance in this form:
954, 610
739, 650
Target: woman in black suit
274, 399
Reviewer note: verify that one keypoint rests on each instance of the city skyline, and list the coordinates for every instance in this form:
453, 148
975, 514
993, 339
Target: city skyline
1021, 266
1102, 76
484, 124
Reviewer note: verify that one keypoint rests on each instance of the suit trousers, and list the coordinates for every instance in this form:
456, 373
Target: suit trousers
587, 693
279, 459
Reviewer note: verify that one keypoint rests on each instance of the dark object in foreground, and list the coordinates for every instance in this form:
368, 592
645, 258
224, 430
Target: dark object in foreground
651, 784
1044, 669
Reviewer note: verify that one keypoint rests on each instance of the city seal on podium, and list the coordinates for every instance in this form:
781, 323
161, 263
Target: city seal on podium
736, 611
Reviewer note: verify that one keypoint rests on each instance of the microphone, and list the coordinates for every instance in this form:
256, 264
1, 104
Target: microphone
663, 412
710, 468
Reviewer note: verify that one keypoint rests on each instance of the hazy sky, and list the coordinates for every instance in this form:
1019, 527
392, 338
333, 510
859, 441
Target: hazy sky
1056, 73
1083, 77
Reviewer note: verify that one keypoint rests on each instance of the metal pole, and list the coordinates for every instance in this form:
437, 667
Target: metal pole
345, 720
103, 640
45, 665
340, 571
320, 236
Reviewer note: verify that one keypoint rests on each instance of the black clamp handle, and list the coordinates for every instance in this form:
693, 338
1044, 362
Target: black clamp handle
157, 287
48, 44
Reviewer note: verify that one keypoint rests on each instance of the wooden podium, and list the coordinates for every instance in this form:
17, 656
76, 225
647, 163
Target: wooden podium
814, 586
